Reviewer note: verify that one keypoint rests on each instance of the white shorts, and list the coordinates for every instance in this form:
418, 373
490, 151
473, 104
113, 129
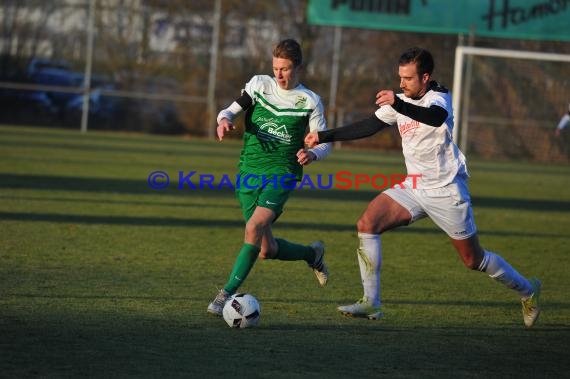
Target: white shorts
448, 207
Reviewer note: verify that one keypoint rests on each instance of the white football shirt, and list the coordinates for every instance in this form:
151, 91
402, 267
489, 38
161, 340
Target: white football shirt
428, 151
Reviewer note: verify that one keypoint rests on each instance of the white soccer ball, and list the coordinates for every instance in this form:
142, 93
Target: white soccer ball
242, 311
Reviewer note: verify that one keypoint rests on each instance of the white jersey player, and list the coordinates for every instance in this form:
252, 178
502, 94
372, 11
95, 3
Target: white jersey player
424, 117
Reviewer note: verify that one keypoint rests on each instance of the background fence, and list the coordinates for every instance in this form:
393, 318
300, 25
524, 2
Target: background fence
168, 66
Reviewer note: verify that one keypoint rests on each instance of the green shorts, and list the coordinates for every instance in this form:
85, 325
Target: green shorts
256, 191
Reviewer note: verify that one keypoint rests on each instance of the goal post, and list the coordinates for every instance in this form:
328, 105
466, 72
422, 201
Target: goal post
499, 93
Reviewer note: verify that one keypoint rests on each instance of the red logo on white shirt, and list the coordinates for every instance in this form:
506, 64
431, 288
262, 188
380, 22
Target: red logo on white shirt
407, 127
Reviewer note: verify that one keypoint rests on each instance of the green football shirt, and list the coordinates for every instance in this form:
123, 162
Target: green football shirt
275, 126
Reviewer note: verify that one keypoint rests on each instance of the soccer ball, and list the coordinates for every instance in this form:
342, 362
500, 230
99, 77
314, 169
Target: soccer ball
242, 311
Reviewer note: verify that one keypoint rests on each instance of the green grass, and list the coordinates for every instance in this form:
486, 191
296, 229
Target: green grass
101, 276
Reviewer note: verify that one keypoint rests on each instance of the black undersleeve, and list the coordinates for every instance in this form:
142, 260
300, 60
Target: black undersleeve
360, 129
244, 101
432, 116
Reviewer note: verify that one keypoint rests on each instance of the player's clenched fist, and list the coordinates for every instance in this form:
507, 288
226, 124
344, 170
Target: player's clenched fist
312, 139
385, 97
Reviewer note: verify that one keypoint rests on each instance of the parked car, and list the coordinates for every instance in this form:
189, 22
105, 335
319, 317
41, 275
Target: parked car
40, 64
39, 106
56, 77
57, 106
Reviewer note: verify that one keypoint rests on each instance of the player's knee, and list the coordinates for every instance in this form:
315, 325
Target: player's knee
360, 225
254, 230
365, 224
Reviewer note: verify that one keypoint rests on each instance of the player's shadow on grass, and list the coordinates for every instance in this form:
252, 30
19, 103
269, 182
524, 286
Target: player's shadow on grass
160, 221
104, 185
188, 202
237, 223
387, 302
477, 201
135, 186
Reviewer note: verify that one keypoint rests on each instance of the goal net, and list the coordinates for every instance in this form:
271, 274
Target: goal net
508, 103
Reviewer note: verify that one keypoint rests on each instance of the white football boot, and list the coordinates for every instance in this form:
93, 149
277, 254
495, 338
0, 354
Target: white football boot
531, 305
362, 308
319, 266
216, 307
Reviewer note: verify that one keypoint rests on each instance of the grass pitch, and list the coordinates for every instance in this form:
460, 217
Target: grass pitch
102, 276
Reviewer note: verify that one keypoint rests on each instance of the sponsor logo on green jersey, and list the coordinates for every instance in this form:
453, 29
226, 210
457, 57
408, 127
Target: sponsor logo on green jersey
271, 131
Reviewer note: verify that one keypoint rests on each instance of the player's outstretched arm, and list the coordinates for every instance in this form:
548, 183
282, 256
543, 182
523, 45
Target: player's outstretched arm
226, 116
360, 129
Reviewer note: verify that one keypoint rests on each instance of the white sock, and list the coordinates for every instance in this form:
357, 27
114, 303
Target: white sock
500, 270
370, 262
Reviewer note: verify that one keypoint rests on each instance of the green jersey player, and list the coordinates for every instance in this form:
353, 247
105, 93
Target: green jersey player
278, 111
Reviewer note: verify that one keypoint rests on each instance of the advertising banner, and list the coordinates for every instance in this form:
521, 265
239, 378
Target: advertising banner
517, 19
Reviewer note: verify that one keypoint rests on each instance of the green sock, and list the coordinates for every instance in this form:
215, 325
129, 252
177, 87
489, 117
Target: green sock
244, 262
289, 251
